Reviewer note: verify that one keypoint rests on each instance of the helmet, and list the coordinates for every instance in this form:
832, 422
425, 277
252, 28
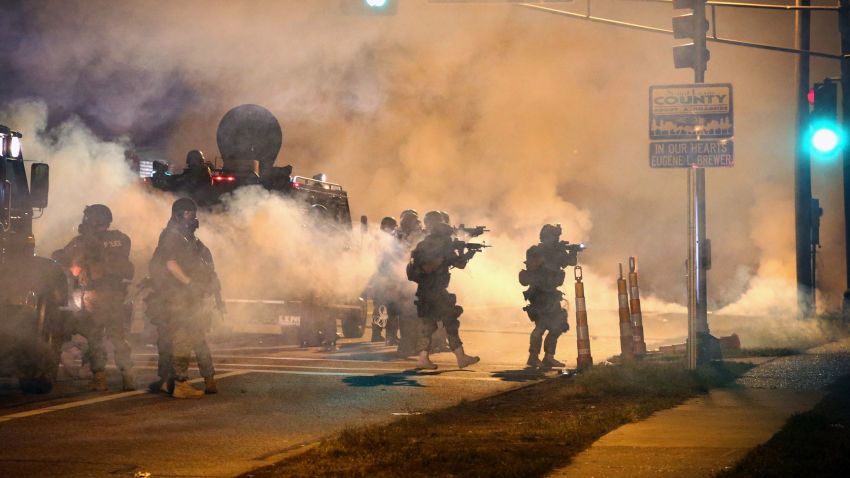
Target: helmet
409, 220
433, 218
194, 158
97, 215
550, 233
183, 204
388, 224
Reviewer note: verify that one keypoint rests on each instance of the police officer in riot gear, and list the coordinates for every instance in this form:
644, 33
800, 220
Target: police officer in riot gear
409, 228
432, 218
99, 261
409, 234
429, 267
439, 341
196, 167
182, 275
543, 274
196, 179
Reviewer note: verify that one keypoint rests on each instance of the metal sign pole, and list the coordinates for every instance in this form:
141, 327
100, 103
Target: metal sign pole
697, 285
692, 269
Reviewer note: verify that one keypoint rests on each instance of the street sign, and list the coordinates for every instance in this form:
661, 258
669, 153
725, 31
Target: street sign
699, 111
686, 154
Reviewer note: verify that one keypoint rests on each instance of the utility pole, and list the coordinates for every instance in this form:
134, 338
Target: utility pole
844, 29
802, 168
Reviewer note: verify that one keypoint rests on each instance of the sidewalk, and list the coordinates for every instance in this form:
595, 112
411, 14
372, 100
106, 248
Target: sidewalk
705, 434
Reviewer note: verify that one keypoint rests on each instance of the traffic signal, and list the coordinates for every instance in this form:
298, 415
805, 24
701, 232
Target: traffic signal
691, 25
825, 136
370, 7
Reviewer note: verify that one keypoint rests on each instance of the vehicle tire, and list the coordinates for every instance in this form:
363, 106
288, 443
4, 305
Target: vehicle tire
40, 363
354, 324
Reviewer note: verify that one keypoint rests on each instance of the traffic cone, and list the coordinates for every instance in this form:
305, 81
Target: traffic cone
634, 305
584, 359
626, 336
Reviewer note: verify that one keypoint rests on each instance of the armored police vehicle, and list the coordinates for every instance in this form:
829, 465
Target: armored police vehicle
249, 138
32, 288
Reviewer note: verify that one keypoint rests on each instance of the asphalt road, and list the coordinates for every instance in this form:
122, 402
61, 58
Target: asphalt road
274, 398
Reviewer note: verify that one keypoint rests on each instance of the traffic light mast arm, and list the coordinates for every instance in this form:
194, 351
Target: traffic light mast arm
755, 5
634, 26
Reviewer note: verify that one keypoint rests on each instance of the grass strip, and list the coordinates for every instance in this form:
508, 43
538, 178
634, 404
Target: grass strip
528, 431
814, 443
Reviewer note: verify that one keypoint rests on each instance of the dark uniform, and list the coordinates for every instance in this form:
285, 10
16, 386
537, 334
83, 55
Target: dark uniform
409, 234
429, 268
99, 259
179, 310
196, 179
160, 178
544, 273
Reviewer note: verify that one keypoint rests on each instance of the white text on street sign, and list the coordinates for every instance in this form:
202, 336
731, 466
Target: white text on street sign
698, 111
687, 154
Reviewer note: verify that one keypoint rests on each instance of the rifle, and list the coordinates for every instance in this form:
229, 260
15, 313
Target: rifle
472, 231
572, 248
471, 246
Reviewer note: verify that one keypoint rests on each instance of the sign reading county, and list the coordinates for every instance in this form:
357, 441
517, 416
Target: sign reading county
701, 111
684, 154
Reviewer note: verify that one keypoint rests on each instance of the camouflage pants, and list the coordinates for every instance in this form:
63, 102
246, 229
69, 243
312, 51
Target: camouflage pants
181, 330
433, 307
548, 316
103, 318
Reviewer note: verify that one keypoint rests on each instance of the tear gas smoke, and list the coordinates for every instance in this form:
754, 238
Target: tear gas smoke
499, 115
265, 247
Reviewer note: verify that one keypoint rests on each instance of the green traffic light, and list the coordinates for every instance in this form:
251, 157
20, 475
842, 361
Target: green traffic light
826, 139
376, 3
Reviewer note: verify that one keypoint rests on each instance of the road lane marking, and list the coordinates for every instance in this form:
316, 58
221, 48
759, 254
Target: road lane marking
95, 400
309, 367
307, 359
411, 375
302, 359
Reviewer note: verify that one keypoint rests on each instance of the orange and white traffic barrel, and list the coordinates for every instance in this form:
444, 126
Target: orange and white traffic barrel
584, 359
634, 305
626, 336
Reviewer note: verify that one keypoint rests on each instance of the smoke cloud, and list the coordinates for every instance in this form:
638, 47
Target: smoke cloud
497, 114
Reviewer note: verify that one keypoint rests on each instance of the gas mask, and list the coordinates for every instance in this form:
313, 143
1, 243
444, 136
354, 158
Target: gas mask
190, 224
84, 229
